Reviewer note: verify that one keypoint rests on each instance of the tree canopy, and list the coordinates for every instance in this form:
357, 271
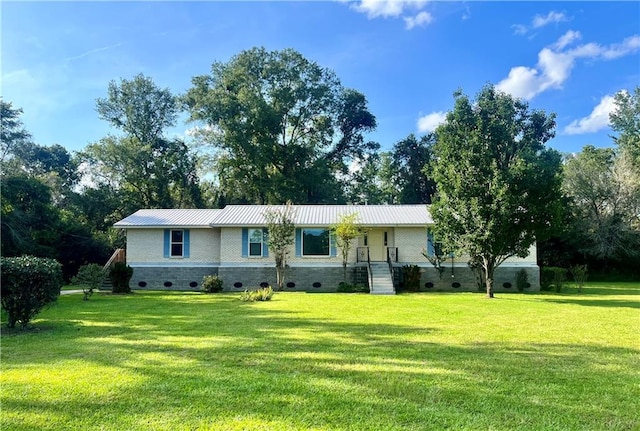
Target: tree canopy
625, 119
144, 167
604, 207
497, 184
285, 128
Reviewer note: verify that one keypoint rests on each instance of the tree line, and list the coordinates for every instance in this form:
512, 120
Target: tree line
272, 126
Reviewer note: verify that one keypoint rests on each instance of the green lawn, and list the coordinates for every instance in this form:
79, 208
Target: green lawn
188, 361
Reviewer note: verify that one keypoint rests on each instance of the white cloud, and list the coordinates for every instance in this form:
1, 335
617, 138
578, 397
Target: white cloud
552, 17
596, 121
539, 21
555, 64
420, 20
429, 122
567, 39
628, 46
411, 11
387, 8
519, 29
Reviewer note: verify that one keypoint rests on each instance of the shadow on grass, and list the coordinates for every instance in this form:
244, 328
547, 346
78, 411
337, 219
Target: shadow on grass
219, 364
597, 302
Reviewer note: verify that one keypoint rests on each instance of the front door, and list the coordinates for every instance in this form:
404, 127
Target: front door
377, 246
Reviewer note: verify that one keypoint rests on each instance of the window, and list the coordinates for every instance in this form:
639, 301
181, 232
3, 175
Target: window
434, 247
255, 242
177, 243
315, 242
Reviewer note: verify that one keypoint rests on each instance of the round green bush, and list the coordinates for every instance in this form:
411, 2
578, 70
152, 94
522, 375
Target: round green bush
211, 284
28, 284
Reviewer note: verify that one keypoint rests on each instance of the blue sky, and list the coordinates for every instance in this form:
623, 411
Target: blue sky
407, 57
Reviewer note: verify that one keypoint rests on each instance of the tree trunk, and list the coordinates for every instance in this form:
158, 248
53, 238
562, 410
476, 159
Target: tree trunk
280, 271
489, 267
490, 286
344, 271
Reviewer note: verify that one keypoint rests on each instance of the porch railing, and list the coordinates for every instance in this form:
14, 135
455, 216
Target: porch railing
362, 254
392, 254
117, 256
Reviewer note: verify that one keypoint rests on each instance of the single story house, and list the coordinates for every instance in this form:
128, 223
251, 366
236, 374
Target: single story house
176, 248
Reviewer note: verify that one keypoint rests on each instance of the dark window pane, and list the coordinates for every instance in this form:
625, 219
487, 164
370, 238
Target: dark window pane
176, 236
315, 242
255, 249
176, 249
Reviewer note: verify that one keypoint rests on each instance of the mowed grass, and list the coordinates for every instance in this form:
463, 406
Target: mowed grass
189, 361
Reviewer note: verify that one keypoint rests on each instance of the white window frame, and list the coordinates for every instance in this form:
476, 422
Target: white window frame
315, 255
249, 242
172, 243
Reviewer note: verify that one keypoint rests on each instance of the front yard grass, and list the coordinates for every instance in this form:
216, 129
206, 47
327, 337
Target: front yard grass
433, 361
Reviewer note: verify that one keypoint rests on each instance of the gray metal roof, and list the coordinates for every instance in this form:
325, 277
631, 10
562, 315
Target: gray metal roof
253, 215
325, 215
169, 218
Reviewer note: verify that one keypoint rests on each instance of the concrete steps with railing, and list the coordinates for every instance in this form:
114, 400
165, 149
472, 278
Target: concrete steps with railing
381, 279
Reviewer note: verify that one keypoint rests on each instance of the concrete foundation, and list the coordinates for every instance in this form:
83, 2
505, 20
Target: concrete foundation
322, 279
169, 278
306, 279
462, 279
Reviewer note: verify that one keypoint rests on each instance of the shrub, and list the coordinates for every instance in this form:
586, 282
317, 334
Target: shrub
411, 277
579, 274
28, 284
260, 294
89, 277
352, 288
522, 280
552, 276
120, 274
211, 284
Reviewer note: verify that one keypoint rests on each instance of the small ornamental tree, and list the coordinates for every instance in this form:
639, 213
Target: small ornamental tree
345, 230
498, 187
281, 230
28, 284
89, 277
579, 274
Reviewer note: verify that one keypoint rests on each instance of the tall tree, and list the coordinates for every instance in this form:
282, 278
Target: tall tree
373, 181
410, 157
147, 168
139, 108
625, 119
284, 126
498, 187
12, 131
162, 175
605, 207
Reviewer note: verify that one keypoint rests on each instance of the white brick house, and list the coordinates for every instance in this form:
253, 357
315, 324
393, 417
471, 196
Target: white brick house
175, 248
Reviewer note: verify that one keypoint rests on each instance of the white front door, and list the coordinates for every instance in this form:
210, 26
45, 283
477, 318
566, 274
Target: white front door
377, 247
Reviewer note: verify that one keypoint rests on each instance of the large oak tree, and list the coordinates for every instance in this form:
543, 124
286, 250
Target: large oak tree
497, 184
284, 127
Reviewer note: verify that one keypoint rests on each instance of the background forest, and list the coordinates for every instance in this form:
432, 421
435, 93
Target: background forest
269, 127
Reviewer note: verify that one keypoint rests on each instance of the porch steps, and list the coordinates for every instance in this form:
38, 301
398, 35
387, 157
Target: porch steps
382, 283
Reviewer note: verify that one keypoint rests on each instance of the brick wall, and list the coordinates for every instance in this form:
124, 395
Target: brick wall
147, 246
298, 278
467, 282
179, 277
